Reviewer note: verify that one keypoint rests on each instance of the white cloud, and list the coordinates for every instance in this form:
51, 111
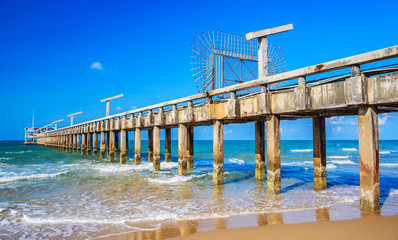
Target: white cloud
383, 120
119, 108
341, 121
337, 129
229, 131
96, 65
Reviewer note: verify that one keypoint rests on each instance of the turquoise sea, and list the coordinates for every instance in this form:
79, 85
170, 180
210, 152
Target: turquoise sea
52, 194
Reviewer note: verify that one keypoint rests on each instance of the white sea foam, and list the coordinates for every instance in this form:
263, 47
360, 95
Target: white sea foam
303, 163
236, 160
330, 166
393, 192
175, 179
168, 165
118, 168
338, 157
385, 152
32, 176
301, 150
389, 164
350, 149
28, 151
345, 162
5, 158
49, 220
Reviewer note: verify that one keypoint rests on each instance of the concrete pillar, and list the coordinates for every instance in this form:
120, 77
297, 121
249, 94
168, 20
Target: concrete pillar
74, 143
182, 149
218, 153
124, 148
102, 144
95, 143
368, 130
150, 145
84, 142
89, 144
156, 148
273, 154
190, 159
70, 142
137, 146
111, 146
116, 145
167, 145
259, 151
78, 143
65, 142
107, 143
319, 143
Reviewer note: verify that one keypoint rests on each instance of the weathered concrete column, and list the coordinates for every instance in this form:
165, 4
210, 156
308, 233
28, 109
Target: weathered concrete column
156, 148
111, 146
78, 143
65, 142
273, 154
182, 149
70, 142
108, 140
190, 158
137, 146
116, 145
150, 145
89, 144
102, 144
319, 143
368, 130
95, 143
84, 142
167, 145
259, 150
124, 148
218, 153
73, 142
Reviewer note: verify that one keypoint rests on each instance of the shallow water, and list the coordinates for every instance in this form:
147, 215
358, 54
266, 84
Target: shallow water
46, 193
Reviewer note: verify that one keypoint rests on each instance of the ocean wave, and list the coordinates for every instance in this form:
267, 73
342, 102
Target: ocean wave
338, 157
385, 152
389, 164
330, 166
27, 151
345, 162
120, 168
175, 179
33, 176
350, 149
306, 163
5, 158
44, 220
301, 150
236, 160
393, 192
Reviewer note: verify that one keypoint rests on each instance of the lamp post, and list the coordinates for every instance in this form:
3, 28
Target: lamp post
107, 100
71, 117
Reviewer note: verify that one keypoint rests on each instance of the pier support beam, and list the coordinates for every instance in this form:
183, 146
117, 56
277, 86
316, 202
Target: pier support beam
218, 153
182, 149
78, 142
137, 146
124, 148
273, 154
95, 143
167, 145
259, 150
70, 142
156, 148
74, 142
108, 140
102, 145
89, 144
83, 149
368, 130
116, 144
150, 145
319, 143
190, 159
111, 146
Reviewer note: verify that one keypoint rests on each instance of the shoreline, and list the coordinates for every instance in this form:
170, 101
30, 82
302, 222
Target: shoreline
341, 221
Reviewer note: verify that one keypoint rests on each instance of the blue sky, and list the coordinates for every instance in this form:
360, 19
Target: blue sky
60, 57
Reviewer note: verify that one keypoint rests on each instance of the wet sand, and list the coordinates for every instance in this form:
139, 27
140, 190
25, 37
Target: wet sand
337, 222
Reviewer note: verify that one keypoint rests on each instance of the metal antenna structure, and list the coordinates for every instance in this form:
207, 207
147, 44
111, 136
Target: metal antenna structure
222, 59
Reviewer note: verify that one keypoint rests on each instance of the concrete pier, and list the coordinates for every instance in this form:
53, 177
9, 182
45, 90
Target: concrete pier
319, 145
273, 154
150, 145
74, 143
167, 145
124, 148
95, 143
84, 142
111, 146
102, 144
218, 153
260, 151
78, 147
182, 150
156, 148
137, 146
89, 147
